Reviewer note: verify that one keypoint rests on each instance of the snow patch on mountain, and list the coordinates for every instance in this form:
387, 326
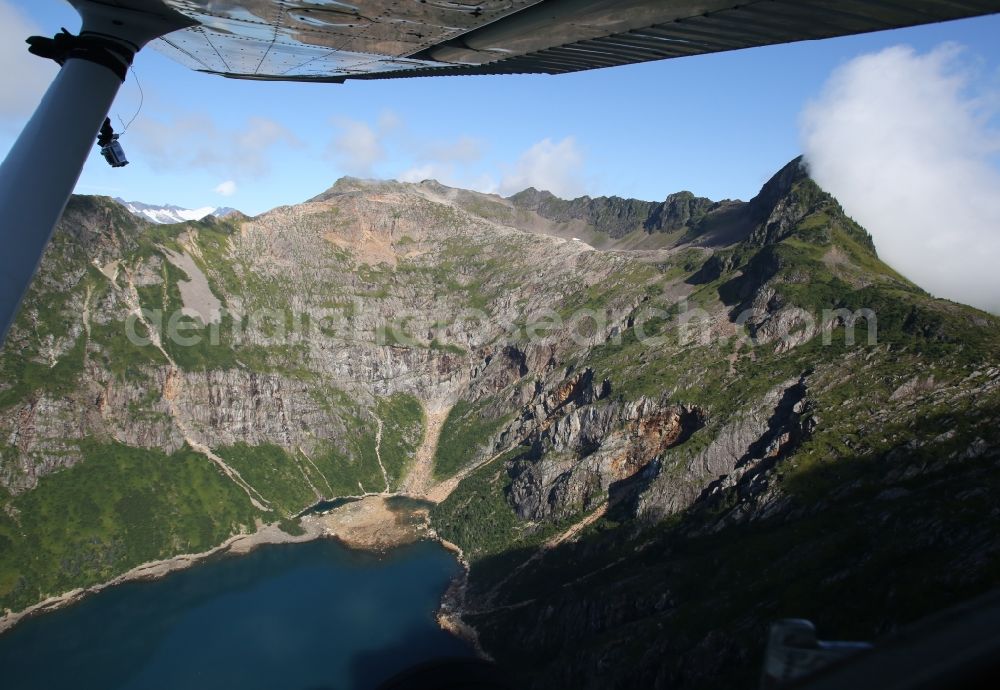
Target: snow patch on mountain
168, 213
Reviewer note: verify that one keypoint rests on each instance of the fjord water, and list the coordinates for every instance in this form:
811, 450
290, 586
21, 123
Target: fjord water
310, 616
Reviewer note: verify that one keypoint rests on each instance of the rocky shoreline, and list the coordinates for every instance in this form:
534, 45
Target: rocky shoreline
371, 523
449, 615
368, 524
236, 544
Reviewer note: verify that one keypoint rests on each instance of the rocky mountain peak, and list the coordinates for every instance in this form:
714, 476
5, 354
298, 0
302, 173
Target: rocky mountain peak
780, 184
348, 184
789, 198
531, 198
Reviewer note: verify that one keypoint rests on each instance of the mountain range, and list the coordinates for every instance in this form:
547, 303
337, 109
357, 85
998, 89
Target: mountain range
650, 428
168, 213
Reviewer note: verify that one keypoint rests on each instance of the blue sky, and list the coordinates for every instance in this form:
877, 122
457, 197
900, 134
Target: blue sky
902, 127
718, 125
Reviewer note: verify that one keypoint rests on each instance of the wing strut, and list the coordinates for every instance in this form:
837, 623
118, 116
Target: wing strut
45, 162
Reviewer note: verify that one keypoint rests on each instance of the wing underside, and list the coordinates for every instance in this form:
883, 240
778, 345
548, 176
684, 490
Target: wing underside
331, 41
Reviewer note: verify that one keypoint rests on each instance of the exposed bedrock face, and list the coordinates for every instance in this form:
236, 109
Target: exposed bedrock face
594, 453
740, 457
576, 459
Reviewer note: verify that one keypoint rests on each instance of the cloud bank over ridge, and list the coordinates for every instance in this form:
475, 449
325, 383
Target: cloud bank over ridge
909, 147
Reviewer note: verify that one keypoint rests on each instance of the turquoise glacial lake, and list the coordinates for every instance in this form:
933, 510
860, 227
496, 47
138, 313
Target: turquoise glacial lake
294, 616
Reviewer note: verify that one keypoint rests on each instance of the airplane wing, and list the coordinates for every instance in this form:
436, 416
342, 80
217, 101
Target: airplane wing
332, 40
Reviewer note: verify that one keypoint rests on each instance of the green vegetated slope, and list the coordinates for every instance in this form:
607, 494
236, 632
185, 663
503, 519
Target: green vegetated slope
403, 424
867, 506
117, 508
467, 428
79, 504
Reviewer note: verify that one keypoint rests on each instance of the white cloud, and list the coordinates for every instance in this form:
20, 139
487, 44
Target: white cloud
227, 188
195, 141
359, 147
910, 151
450, 175
389, 121
448, 162
427, 171
553, 167
464, 149
25, 76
